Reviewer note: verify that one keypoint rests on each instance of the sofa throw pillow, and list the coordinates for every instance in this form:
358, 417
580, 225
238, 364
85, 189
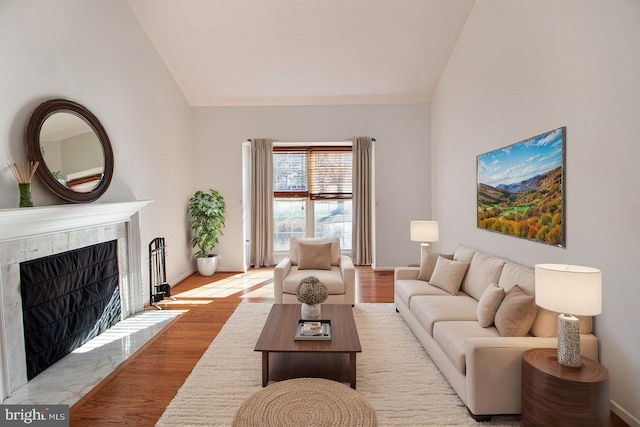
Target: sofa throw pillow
428, 264
489, 304
516, 314
447, 274
294, 248
314, 256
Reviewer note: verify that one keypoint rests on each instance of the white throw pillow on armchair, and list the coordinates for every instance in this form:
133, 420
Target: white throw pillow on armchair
314, 256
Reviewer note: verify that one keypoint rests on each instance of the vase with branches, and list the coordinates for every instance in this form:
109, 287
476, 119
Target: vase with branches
24, 174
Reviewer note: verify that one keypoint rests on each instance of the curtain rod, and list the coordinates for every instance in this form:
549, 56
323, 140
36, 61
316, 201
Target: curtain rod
311, 142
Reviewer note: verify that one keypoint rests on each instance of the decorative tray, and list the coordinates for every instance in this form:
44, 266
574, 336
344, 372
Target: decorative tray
313, 330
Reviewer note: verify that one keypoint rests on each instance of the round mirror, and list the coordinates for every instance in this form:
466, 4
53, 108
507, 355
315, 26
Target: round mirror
76, 160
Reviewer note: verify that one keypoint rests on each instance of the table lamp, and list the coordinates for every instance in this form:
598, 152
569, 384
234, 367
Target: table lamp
570, 289
424, 232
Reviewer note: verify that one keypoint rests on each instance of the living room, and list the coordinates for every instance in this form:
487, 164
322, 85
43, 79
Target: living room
516, 69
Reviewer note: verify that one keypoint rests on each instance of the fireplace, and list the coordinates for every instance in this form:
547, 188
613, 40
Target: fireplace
67, 299
29, 234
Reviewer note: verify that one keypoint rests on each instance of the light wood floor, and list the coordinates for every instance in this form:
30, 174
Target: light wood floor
138, 392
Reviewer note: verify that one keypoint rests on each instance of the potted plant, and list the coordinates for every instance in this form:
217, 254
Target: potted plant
206, 214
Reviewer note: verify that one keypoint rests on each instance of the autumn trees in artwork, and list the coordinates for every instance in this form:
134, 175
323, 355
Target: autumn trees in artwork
532, 210
520, 188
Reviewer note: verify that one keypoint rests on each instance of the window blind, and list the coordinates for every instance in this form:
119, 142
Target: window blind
330, 174
318, 173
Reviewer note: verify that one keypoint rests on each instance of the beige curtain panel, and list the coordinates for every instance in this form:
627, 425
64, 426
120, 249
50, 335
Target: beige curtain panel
261, 202
362, 239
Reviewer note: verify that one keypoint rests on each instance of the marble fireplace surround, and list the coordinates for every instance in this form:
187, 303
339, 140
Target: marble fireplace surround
31, 233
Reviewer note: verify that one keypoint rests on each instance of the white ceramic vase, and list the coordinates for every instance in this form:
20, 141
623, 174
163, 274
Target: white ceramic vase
207, 266
310, 311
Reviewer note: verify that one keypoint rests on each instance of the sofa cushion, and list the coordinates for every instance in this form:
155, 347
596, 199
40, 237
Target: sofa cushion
314, 256
448, 274
452, 336
430, 309
331, 278
488, 304
406, 289
428, 264
513, 274
516, 314
294, 249
483, 270
463, 253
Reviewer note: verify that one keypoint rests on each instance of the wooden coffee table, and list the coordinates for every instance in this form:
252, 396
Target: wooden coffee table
285, 358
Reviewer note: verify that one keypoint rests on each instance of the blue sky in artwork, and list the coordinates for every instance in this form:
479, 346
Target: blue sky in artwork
521, 161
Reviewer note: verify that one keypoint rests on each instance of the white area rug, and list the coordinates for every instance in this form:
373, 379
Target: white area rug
395, 374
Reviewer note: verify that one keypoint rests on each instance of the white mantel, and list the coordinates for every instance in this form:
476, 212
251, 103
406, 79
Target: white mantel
27, 222
30, 233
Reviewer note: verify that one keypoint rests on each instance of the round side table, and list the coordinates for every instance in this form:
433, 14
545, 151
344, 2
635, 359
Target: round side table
553, 394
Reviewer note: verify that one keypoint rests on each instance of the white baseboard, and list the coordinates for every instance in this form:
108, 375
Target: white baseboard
626, 416
374, 268
181, 277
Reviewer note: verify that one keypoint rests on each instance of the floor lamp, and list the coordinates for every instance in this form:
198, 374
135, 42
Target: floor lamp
571, 289
424, 232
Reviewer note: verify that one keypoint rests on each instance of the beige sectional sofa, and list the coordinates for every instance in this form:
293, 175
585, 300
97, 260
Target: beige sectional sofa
482, 364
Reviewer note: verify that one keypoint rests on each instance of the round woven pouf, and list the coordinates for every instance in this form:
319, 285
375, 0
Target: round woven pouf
305, 402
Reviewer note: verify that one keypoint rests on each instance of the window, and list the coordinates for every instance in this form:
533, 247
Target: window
312, 194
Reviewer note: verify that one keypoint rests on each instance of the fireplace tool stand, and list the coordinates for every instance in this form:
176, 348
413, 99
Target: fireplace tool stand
159, 289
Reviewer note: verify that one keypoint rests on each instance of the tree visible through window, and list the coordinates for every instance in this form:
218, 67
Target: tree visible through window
312, 194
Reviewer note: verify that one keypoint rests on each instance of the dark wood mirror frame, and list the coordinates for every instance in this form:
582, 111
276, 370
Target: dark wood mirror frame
34, 152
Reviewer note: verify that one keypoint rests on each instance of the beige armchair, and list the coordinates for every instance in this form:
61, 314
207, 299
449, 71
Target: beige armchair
320, 258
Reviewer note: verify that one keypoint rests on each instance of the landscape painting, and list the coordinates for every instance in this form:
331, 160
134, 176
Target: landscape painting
521, 189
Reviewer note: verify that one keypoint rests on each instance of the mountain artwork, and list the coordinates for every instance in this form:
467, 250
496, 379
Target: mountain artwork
521, 189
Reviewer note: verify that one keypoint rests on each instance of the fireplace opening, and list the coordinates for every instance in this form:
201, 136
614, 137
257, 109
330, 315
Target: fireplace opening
68, 299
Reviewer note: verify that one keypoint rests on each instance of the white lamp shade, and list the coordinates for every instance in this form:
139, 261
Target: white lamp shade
569, 289
424, 231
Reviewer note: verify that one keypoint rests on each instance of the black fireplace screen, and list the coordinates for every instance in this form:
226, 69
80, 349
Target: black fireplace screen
67, 299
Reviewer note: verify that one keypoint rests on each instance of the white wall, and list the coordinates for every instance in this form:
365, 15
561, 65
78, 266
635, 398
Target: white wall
96, 53
526, 67
402, 163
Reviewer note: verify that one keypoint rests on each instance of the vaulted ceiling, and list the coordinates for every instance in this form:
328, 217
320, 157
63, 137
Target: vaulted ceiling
303, 52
